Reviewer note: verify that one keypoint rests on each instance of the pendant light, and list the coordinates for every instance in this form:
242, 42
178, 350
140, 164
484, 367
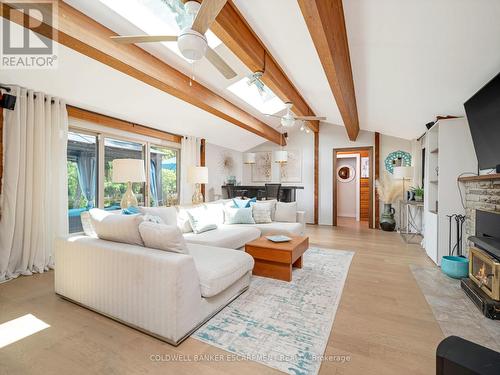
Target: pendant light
249, 158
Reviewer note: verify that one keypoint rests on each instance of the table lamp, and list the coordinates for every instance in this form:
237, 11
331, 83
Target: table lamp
197, 176
128, 171
403, 173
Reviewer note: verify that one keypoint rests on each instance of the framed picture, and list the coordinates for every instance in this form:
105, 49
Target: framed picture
291, 171
262, 169
365, 167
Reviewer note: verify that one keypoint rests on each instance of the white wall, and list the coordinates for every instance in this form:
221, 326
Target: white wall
217, 174
331, 136
346, 194
296, 141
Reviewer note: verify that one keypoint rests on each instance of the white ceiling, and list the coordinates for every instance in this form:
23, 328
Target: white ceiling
415, 59
411, 59
88, 84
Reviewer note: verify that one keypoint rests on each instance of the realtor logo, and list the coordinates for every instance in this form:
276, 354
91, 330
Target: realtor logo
28, 34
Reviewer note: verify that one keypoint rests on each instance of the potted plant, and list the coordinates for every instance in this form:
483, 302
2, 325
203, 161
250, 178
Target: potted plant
388, 191
418, 191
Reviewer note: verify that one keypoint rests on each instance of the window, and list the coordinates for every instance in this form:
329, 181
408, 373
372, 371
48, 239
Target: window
113, 192
90, 173
164, 186
82, 177
257, 95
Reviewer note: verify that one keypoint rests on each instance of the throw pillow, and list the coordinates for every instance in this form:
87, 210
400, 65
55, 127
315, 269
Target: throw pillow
87, 226
238, 216
286, 212
271, 204
199, 220
131, 210
163, 237
153, 219
183, 220
167, 214
243, 203
261, 214
116, 227
215, 212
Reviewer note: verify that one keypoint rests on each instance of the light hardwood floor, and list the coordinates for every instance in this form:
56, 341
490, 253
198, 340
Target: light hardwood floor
383, 322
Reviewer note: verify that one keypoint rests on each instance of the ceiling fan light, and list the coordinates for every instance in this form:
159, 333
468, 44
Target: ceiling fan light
307, 130
302, 128
192, 44
287, 122
192, 8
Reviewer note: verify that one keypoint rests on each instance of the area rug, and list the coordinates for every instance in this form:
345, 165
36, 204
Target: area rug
284, 325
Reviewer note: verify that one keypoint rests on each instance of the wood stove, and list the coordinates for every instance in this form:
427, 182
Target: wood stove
484, 270
483, 284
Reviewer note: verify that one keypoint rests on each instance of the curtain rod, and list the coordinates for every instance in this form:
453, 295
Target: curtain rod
8, 89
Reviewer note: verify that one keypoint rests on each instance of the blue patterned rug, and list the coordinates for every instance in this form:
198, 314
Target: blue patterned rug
284, 325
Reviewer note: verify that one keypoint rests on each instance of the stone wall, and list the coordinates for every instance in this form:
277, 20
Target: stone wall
480, 195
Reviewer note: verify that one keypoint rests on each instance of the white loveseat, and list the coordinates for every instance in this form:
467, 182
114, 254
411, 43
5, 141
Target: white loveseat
165, 294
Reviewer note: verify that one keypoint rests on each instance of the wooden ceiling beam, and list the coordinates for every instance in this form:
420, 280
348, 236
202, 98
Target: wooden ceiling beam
79, 32
233, 30
326, 24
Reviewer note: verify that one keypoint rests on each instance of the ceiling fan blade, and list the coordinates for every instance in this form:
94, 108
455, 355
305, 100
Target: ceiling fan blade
268, 115
310, 118
144, 38
220, 64
206, 15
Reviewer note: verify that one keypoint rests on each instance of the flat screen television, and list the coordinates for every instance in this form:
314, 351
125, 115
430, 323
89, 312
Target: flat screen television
483, 114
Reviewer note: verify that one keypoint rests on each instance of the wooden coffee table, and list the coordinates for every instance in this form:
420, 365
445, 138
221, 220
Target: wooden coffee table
275, 260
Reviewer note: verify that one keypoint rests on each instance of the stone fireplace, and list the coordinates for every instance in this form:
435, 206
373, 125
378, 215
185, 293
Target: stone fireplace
481, 193
482, 233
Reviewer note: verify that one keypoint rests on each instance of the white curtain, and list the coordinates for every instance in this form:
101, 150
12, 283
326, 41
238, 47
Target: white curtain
190, 156
34, 196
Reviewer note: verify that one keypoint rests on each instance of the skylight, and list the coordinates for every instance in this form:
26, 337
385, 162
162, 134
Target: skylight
264, 100
157, 17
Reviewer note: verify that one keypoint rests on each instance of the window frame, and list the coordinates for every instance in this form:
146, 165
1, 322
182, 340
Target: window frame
103, 132
178, 168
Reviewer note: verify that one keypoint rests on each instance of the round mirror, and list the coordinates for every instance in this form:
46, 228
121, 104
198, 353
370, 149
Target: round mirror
345, 173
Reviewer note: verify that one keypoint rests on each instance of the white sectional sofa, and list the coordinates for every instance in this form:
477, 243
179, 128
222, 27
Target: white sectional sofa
235, 236
165, 294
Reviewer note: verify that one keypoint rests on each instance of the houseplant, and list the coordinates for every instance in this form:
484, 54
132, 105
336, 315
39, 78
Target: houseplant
388, 191
419, 193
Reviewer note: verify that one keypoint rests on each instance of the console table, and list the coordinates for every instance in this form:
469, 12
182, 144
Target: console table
288, 193
408, 213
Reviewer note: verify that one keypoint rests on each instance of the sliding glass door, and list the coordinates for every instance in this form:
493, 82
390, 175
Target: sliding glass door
90, 173
163, 176
82, 176
113, 192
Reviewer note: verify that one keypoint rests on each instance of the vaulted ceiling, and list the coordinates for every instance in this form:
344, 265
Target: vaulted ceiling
411, 60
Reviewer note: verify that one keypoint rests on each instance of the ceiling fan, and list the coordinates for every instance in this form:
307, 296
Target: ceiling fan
288, 120
191, 41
